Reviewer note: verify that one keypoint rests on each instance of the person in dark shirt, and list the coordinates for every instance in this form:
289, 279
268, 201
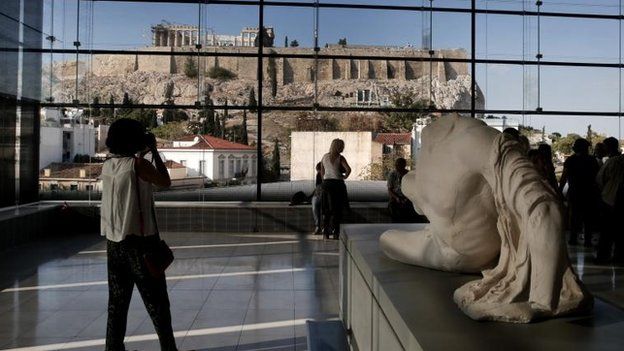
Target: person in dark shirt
400, 207
317, 200
548, 168
579, 172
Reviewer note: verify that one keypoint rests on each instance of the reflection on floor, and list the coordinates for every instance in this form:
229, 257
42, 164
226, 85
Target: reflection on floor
604, 281
228, 292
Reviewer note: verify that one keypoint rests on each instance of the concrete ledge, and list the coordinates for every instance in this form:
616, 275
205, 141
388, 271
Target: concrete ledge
217, 217
393, 306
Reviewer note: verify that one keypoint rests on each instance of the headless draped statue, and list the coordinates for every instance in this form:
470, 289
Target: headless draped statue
489, 212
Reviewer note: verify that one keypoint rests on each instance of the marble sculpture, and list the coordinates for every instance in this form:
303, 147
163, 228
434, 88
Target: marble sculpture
489, 212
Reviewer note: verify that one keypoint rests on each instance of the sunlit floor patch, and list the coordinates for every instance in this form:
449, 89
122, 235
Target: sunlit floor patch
178, 334
178, 277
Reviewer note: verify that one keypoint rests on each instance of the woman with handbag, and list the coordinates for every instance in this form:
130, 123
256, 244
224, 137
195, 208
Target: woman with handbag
136, 255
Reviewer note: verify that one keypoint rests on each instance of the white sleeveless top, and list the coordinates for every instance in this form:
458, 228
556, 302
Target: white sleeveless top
332, 169
120, 214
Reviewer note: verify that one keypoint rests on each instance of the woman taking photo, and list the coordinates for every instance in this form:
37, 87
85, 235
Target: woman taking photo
130, 227
334, 170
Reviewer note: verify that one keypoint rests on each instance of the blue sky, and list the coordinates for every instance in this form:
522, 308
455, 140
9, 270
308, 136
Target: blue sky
126, 25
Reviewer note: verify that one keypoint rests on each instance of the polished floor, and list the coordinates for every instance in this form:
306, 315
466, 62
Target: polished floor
250, 291
228, 292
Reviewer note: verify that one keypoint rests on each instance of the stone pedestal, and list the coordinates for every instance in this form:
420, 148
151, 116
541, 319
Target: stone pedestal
388, 305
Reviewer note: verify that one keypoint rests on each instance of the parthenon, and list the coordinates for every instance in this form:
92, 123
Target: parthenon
175, 35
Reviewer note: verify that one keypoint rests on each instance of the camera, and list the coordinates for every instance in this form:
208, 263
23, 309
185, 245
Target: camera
149, 140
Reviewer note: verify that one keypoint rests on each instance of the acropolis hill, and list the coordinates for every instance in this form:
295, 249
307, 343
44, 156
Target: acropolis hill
144, 77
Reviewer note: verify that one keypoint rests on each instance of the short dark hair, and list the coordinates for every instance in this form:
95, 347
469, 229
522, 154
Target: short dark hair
545, 150
125, 137
513, 132
400, 161
581, 146
612, 144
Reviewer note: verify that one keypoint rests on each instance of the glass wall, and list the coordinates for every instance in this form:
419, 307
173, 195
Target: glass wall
20, 88
245, 97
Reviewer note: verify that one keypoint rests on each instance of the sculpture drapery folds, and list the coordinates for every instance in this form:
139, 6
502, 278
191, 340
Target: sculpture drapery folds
490, 211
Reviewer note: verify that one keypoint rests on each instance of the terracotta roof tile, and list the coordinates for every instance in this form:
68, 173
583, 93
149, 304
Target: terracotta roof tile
72, 170
173, 164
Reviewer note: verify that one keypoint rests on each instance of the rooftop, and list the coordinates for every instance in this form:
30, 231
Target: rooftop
170, 164
71, 170
208, 142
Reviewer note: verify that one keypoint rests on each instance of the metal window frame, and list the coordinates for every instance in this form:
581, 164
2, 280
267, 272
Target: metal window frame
473, 11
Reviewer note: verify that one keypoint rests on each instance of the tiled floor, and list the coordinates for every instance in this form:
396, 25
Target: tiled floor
604, 281
228, 292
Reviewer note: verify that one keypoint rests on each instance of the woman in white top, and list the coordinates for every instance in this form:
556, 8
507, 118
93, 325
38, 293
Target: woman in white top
129, 224
334, 170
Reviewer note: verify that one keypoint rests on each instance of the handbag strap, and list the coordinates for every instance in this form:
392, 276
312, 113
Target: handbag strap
138, 195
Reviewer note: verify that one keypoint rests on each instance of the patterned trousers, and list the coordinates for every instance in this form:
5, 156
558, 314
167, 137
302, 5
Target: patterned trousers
125, 269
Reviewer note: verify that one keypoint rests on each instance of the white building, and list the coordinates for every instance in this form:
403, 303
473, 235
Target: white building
62, 144
212, 158
62, 137
362, 149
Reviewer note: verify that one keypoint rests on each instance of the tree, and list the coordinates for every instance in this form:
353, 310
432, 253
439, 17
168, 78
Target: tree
217, 126
564, 144
275, 160
286, 42
403, 121
294, 43
226, 112
169, 114
272, 71
147, 117
190, 68
170, 131
223, 128
110, 112
207, 115
125, 110
342, 41
95, 111
253, 104
244, 137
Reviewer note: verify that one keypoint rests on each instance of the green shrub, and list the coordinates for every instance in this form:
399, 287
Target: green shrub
220, 73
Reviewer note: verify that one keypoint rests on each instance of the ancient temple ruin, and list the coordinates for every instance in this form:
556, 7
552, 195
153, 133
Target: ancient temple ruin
182, 35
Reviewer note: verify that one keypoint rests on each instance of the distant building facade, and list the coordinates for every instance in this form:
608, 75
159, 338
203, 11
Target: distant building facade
71, 176
212, 158
63, 136
362, 149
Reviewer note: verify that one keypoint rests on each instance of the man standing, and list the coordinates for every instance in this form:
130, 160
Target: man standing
579, 172
609, 181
